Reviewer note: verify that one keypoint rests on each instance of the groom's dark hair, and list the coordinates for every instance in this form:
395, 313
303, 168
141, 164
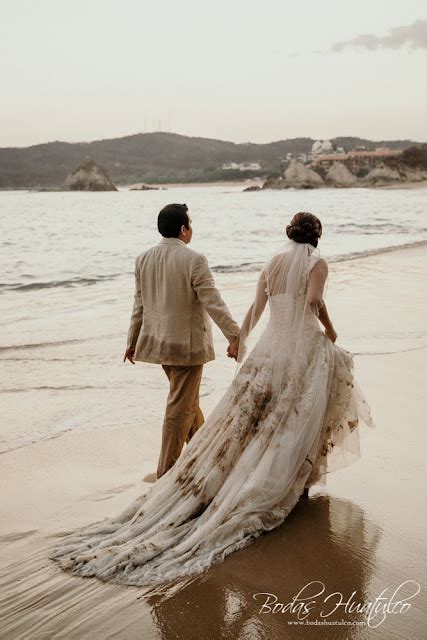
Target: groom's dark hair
171, 218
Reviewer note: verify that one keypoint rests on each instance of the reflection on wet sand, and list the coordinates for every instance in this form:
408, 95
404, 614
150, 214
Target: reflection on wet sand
325, 539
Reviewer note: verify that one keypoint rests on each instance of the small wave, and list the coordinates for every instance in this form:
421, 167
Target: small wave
238, 268
24, 359
246, 267
54, 343
387, 353
70, 387
72, 282
374, 252
369, 229
40, 345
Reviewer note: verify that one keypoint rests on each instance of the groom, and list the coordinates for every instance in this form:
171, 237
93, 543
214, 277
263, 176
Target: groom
174, 293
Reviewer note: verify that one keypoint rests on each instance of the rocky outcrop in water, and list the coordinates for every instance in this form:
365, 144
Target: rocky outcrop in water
296, 176
412, 175
254, 187
340, 176
89, 176
380, 177
144, 187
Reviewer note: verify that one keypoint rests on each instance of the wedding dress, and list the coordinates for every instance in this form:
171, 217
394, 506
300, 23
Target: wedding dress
291, 415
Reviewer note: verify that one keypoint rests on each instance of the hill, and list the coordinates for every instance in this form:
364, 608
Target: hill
154, 157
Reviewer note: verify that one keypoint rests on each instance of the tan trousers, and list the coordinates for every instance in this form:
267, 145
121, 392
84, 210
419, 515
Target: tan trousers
183, 415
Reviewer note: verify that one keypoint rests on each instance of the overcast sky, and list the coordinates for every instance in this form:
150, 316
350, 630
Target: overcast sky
231, 69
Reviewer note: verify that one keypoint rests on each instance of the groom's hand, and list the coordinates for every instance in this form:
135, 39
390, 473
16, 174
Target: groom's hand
233, 349
331, 333
129, 355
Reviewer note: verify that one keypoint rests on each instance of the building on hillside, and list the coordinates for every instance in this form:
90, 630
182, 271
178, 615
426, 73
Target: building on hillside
300, 157
322, 146
356, 159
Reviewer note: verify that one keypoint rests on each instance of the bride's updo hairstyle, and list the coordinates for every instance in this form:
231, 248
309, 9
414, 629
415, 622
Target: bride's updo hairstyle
304, 227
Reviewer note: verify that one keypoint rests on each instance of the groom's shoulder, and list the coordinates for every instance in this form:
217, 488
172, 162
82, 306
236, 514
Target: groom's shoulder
147, 252
141, 258
196, 254
196, 258
142, 255
189, 256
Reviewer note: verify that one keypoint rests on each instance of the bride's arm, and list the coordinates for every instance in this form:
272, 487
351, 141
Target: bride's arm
257, 307
252, 316
327, 323
315, 288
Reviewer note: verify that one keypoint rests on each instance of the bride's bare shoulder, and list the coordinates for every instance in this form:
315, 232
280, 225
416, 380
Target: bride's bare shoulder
321, 263
276, 260
320, 266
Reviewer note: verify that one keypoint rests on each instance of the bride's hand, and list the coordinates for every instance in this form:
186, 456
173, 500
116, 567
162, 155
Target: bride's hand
332, 334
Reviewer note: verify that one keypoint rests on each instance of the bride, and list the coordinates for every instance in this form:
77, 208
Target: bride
291, 415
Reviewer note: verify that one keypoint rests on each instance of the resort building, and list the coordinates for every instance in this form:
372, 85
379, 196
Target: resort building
356, 159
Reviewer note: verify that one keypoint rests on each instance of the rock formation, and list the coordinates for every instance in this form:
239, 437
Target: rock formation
408, 174
144, 187
89, 176
339, 176
380, 177
297, 176
301, 177
411, 164
254, 187
272, 183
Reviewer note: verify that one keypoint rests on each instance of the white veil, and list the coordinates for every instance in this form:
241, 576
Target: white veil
283, 284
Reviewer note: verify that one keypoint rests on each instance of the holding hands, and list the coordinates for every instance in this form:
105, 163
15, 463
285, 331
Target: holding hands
233, 348
331, 334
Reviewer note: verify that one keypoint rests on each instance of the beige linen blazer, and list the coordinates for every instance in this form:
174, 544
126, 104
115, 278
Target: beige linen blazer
174, 293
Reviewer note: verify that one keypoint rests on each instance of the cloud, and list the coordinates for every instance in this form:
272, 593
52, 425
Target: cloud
412, 36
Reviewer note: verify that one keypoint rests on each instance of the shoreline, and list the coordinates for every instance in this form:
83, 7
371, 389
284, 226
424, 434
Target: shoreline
178, 185
128, 187
360, 255
255, 268
422, 184
222, 183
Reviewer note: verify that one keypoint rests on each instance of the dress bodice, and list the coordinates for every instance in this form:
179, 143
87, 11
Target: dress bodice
281, 315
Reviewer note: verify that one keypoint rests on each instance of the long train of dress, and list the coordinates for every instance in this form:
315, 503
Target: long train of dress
241, 473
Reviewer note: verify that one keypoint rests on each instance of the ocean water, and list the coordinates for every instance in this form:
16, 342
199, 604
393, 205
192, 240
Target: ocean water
66, 287
79, 239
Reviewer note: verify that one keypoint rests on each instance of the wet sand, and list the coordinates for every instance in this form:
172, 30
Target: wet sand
363, 533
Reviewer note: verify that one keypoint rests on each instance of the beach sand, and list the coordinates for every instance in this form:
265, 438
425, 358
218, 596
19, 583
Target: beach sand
364, 532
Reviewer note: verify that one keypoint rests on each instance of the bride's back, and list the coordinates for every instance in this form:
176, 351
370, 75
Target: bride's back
283, 274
